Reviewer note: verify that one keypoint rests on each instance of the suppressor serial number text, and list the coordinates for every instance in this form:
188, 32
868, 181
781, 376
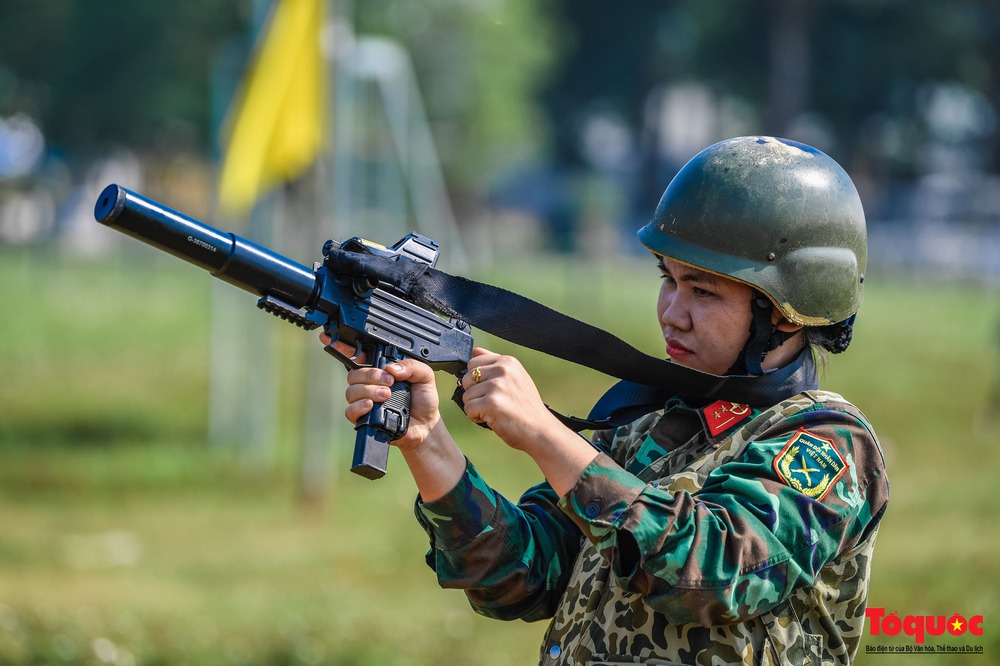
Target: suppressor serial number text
200, 243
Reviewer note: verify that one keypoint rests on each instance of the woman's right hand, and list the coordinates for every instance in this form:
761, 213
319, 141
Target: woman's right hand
366, 386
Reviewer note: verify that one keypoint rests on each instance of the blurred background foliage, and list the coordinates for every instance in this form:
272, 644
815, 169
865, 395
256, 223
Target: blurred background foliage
567, 112
109, 71
133, 533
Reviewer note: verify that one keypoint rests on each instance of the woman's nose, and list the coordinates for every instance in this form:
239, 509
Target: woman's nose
673, 312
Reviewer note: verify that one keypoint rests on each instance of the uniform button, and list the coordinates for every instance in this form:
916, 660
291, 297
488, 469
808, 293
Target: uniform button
592, 509
555, 651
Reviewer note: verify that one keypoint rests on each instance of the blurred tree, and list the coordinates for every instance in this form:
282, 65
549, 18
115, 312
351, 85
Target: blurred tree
843, 61
878, 56
114, 71
788, 62
480, 65
507, 80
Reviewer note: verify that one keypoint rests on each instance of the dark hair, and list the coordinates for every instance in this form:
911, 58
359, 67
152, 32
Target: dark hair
834, 338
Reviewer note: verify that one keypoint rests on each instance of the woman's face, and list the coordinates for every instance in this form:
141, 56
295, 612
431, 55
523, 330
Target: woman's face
705, 318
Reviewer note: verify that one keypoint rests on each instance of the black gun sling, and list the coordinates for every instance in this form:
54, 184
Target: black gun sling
647, 381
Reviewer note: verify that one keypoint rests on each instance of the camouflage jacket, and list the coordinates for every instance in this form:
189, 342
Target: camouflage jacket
721, 535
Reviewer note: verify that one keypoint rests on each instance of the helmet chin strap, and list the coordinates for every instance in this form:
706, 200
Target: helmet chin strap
764, 336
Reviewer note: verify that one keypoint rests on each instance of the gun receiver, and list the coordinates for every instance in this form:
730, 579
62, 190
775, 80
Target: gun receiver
355, 307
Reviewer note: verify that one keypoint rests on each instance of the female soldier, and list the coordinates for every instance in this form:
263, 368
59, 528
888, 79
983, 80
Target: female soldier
700, 533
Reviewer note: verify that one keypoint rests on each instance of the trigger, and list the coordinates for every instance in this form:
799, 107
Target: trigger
350, 361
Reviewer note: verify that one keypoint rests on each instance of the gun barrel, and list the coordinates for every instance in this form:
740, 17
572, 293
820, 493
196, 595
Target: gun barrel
227, 256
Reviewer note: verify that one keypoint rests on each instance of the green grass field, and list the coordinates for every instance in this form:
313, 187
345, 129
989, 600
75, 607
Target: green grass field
127, 538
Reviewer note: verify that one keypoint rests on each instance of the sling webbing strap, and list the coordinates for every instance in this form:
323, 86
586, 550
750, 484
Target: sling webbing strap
530, 324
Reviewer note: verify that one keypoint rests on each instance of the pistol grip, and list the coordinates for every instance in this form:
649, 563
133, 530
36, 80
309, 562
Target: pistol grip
387, 421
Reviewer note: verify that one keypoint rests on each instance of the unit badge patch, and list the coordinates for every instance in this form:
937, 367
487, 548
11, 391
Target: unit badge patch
810, 464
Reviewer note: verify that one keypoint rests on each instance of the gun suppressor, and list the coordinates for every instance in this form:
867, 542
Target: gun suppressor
226, 256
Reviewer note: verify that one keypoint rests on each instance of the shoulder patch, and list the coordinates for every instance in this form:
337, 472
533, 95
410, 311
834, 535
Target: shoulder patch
721, 416
810, 464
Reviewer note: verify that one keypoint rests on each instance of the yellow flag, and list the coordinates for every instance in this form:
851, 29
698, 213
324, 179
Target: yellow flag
276, 125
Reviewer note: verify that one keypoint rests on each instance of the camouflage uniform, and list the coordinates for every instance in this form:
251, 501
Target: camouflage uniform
720, 535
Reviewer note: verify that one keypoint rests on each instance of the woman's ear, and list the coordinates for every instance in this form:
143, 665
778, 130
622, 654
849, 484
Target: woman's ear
783, 324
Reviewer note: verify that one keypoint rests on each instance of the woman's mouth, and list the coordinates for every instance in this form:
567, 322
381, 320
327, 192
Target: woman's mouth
676, 350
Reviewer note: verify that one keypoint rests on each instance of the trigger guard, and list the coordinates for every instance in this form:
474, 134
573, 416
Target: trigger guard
349, 361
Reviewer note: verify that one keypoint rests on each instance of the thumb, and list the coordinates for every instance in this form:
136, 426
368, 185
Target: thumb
410, 370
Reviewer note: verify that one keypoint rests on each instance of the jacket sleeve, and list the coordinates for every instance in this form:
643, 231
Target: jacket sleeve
761, 525
512, 560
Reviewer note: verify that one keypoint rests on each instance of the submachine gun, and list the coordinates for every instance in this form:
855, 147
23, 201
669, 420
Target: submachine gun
352, 305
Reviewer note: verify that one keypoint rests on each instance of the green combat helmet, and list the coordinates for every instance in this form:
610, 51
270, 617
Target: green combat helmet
779, 216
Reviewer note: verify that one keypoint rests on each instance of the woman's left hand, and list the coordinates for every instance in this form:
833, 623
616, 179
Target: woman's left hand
505, 398
500, 393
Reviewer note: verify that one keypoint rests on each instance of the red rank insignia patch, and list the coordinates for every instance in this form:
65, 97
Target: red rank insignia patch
721, 416
810, 464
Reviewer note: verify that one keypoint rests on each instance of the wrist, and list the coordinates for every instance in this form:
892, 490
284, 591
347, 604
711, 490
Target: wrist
418, 433
436, 463
562, 455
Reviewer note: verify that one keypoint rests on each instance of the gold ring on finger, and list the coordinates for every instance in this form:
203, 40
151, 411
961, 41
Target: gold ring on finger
477, 375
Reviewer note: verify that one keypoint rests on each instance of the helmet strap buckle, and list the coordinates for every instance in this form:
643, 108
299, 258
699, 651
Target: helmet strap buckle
764, 335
